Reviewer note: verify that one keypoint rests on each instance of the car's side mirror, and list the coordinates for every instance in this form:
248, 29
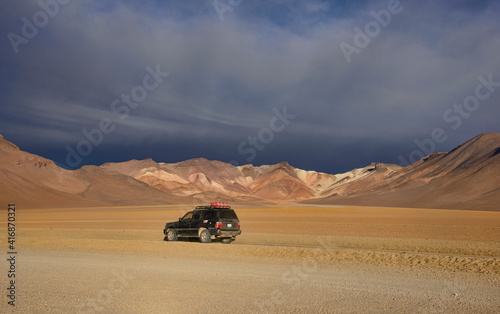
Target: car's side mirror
180, 219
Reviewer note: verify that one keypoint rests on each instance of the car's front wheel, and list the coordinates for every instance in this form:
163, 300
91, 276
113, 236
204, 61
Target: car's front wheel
171, 235
205, 236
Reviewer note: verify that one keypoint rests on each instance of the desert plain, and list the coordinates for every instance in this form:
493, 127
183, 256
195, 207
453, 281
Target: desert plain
288, 259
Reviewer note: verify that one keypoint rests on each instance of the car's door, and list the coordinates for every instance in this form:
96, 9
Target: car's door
185, 224
195, 224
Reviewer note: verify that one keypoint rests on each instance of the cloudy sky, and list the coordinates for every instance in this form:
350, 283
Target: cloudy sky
324, 85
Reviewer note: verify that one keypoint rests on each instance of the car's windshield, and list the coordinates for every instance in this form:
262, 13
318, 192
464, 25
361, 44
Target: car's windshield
227, 214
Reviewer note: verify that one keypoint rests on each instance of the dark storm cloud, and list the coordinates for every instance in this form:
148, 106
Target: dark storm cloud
226, 77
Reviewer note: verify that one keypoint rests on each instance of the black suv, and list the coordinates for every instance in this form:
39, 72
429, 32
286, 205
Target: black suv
216, 220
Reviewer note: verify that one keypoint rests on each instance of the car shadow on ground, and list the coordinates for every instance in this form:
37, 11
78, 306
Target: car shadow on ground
196, 240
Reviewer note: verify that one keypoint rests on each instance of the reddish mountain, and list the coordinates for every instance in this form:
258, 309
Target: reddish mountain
31, 181
195, 177
468, 177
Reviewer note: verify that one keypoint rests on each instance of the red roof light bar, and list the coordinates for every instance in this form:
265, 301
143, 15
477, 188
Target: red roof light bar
218, 205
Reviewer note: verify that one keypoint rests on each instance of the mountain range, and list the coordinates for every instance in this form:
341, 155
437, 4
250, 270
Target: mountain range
468, 177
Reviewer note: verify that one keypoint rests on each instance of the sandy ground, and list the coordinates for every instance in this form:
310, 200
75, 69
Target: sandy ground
316, 259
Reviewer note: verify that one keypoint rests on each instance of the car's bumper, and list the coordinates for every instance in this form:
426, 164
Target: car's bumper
226, 233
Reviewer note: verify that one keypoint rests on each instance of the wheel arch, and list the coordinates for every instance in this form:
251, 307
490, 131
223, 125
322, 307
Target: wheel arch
201, 229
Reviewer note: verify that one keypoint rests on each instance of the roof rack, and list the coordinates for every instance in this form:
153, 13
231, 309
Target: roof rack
213, 205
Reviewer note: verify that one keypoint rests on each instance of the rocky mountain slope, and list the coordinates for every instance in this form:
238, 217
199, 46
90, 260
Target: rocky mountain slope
196, 177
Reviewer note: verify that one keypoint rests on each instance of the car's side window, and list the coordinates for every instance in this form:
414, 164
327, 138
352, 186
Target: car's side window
196, 216
188, 216
209, 215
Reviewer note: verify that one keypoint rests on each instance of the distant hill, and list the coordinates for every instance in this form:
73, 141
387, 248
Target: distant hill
468, 177
31, 181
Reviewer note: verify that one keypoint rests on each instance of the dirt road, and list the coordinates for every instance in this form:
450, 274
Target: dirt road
345, 259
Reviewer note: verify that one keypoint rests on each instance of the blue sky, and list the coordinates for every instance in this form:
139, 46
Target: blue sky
382, 101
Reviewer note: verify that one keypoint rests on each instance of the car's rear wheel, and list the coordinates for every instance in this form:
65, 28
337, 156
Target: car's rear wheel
227, 240
171, 235
205, 236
